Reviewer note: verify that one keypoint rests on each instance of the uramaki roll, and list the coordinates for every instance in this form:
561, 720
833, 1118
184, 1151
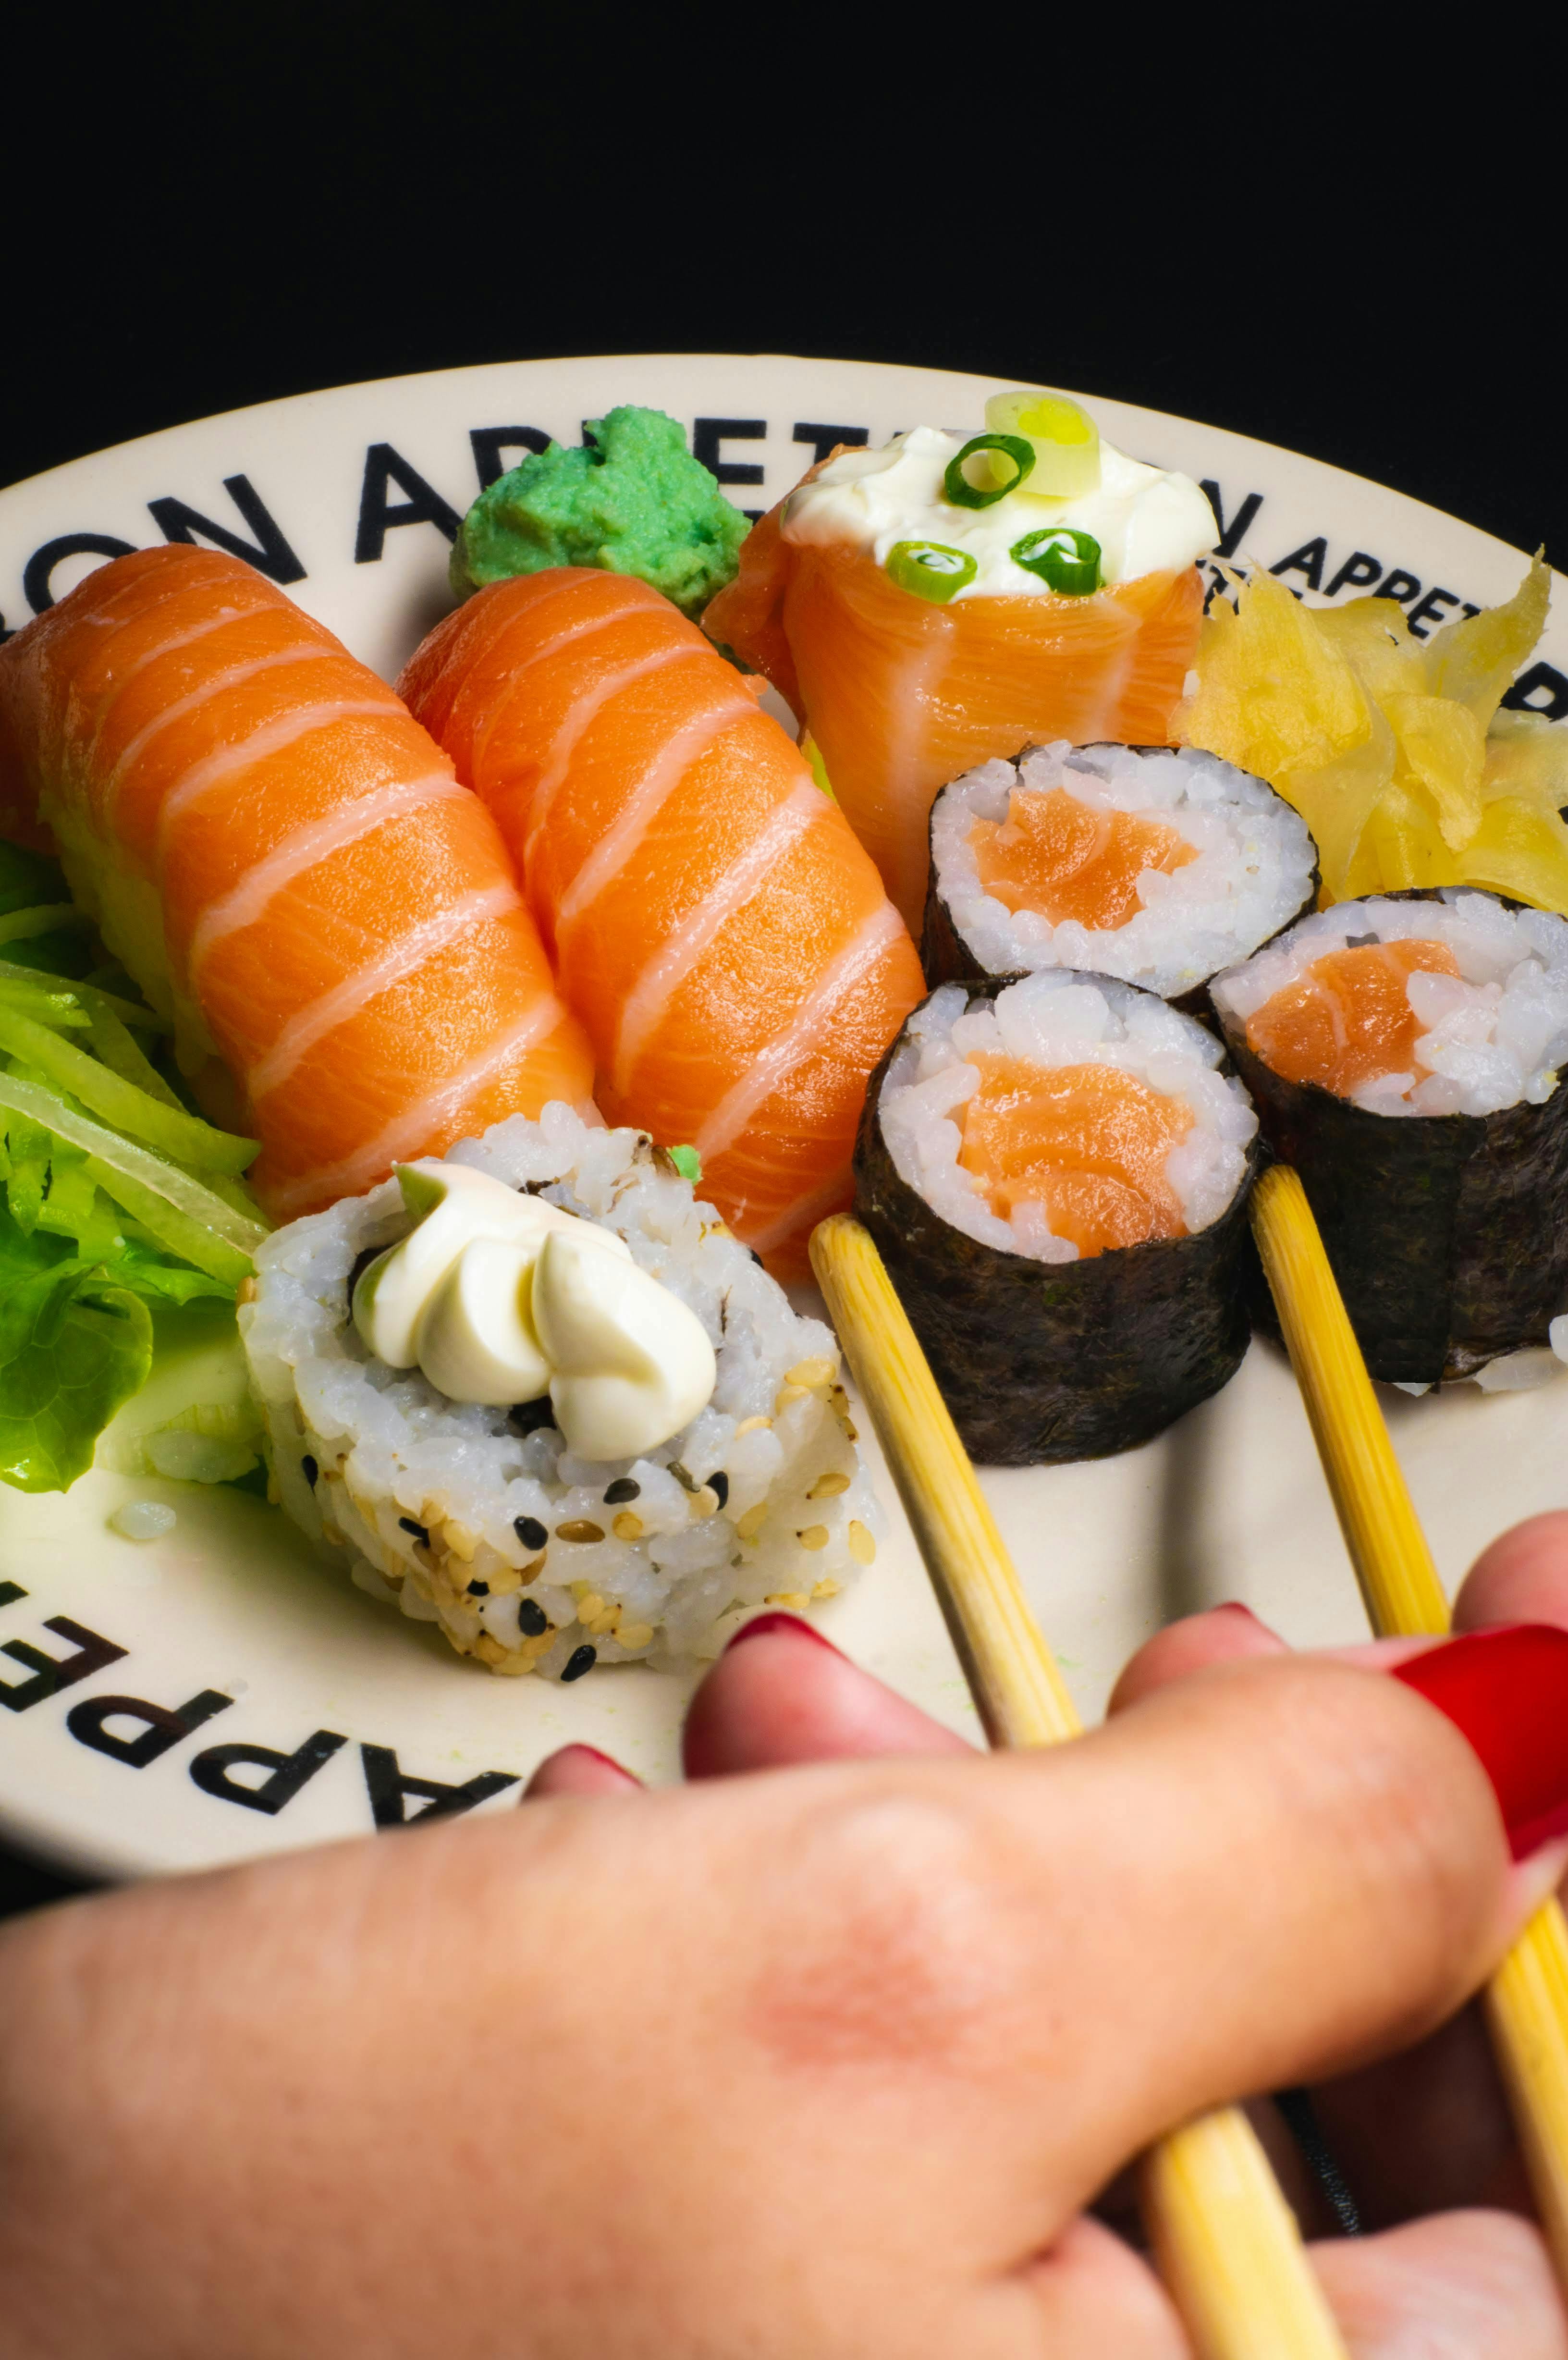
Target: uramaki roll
900, 693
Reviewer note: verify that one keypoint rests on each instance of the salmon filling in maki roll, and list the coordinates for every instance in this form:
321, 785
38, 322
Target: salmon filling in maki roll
1404, 1053
1160, 865
1056, 1171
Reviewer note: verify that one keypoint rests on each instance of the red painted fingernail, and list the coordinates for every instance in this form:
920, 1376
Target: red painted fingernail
761, 1624
609, 1760
1507, 1691
1235, 1606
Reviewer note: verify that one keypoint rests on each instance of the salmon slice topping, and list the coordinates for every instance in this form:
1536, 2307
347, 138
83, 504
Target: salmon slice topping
1062, 859
1348, 1021
1087, 1143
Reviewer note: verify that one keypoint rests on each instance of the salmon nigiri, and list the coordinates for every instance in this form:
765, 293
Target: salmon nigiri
915, 638
713, 922
285, 862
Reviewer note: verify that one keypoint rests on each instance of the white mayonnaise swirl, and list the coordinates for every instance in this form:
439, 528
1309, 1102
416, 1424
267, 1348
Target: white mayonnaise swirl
499, 1297
1145, 520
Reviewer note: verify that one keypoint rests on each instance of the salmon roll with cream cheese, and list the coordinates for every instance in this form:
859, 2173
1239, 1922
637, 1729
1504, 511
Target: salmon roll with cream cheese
938, 602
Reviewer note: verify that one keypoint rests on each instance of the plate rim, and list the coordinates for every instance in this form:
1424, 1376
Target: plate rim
88, 1856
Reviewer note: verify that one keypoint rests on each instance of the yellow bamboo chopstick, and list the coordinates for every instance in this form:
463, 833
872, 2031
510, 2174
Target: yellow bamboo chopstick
1225, 2240
1527, 2001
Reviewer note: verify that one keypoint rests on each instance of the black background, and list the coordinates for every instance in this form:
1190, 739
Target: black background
1302, 225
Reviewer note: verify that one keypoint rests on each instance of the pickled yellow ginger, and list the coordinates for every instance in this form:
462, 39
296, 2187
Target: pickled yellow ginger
1399, 755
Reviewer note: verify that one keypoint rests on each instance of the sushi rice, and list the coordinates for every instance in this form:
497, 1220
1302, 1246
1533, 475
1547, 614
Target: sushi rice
1058, 1018
1255, 869
530, 1559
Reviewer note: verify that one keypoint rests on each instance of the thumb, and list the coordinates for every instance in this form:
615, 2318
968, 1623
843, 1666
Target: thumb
1259, 1874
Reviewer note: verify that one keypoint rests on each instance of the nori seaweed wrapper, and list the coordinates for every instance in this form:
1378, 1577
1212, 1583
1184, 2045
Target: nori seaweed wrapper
1045, 1361
1448, 1233
946, 957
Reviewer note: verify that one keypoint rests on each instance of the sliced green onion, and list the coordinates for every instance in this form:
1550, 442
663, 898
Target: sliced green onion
168, 1129
123, 1158
91, 995
21, 925
688, 1163
930, 569
1063, 437
965, 493
1063, 556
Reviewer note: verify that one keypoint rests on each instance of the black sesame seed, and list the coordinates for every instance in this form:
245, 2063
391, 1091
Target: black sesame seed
532, 1620
531, 1532
581, 1660
622, 1490
527, 1417
479, 1589
309, 1469
406, 1524
719, 1485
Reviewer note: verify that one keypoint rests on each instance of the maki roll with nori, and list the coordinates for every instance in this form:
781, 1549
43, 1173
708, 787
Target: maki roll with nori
1157, 864
1404, 1055
1056, 1171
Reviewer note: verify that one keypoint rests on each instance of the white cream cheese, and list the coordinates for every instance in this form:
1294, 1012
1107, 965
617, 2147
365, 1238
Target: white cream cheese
498, 1297
1145, 520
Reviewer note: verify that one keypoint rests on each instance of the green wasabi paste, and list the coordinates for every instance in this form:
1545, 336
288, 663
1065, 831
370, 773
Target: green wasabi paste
632, 499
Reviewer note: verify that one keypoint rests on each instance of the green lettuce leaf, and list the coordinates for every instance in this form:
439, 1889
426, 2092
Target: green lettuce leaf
73, 1346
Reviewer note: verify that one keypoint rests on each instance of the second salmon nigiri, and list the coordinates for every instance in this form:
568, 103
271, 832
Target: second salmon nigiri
715, 923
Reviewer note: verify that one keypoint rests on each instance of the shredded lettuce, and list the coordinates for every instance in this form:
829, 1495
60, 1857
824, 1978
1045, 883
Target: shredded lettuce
127, 1165
117, 1201
162, 1124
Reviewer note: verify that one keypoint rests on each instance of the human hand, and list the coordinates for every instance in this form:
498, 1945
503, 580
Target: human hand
826, 2061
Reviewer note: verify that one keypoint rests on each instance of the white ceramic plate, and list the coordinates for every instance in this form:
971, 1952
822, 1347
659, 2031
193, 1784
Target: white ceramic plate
345, 495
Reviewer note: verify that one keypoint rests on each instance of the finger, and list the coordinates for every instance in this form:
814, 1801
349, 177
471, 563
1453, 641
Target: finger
1094, 2295
782, 1694
1421, 2133
1262, 1873
578, 1770
1521, 1578
1225, 1634
1432, 2130
1427, 2132
1462, 2286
